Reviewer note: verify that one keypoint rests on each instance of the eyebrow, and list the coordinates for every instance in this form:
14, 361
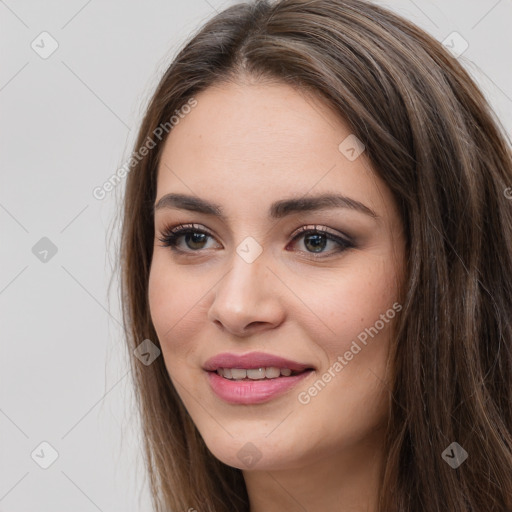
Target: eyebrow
278, 209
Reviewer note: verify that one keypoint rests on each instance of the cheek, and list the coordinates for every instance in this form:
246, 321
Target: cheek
352, 302
163, 303
351, 393
174, 306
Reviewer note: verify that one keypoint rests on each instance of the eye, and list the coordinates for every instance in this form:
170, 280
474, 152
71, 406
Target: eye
196, 238
316, 240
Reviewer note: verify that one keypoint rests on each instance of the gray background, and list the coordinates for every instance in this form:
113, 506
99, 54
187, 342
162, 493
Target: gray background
67, 123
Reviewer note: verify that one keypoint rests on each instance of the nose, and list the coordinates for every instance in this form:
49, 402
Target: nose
247, 299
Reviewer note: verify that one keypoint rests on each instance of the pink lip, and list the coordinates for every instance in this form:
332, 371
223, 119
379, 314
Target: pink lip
252, 360
249, 392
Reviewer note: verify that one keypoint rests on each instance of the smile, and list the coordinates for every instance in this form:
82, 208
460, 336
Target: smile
253, 378
270, 372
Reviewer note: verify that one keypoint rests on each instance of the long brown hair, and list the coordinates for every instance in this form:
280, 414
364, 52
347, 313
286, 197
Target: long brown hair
433, 138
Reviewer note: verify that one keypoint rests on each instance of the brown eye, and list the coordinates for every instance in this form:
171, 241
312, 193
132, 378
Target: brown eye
316, 240
195, 239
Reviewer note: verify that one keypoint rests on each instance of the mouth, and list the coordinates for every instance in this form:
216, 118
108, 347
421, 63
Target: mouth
253, 378
254, 361
269, 372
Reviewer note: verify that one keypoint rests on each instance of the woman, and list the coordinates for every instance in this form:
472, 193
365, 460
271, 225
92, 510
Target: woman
317, 236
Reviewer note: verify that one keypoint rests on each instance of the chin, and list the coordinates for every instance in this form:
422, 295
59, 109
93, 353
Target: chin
255, 452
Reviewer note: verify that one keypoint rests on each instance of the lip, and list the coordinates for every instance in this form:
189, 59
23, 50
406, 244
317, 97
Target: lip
249, 392
252, 360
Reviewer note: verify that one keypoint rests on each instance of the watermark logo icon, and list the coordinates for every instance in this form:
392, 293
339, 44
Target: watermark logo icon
44, 250
351, 147
44, 45
249, 249
456, 44
44, 455
146, 352
249, 455
454, 455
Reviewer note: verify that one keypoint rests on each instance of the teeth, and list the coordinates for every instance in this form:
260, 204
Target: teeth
256, 373
271, 372
237, 374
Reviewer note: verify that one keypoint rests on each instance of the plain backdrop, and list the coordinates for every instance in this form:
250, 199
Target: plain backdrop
68, 120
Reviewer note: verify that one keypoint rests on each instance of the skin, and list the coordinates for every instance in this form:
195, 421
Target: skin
244, 146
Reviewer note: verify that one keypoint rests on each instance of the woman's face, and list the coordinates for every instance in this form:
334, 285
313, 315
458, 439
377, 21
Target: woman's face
247, 285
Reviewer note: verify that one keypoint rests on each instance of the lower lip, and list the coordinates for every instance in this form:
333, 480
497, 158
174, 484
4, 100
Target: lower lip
248, 392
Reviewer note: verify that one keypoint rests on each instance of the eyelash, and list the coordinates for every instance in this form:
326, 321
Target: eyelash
171, 235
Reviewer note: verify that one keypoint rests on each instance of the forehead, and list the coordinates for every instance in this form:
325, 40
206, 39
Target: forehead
256, 141
258, 123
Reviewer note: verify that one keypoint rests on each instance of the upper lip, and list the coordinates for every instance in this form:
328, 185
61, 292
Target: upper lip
252, 360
